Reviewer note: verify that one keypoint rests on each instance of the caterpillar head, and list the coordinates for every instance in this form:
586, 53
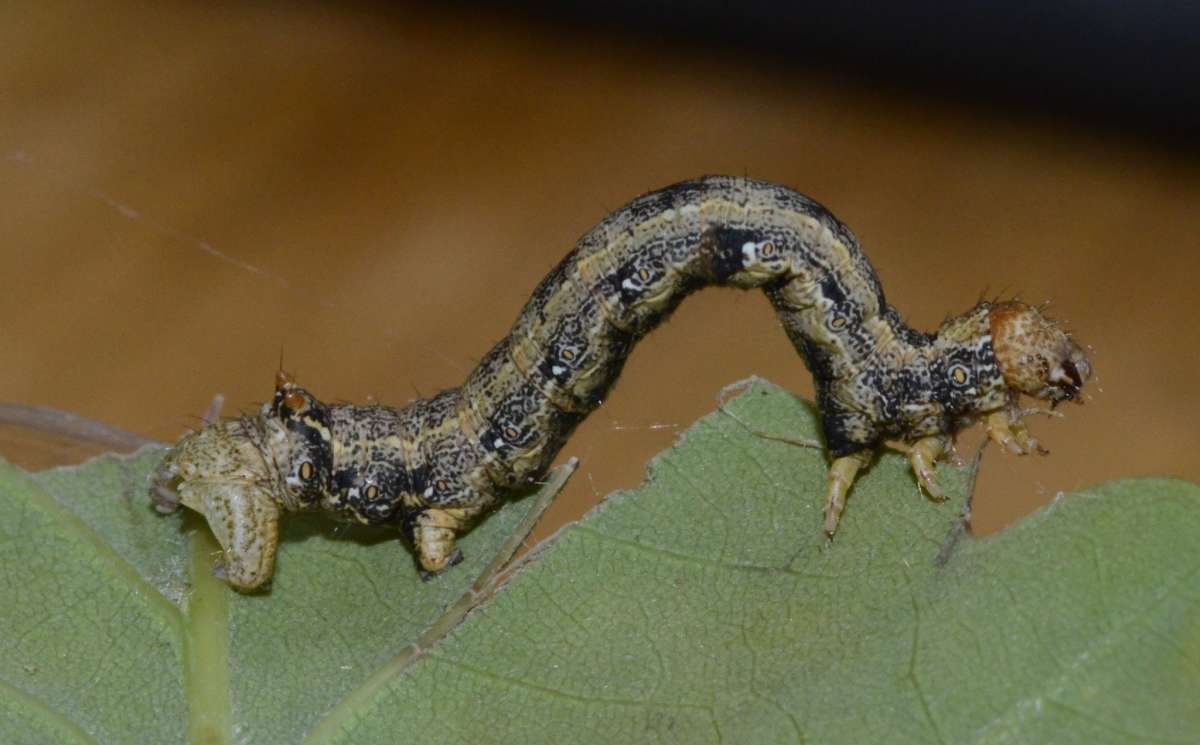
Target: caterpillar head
1035, 356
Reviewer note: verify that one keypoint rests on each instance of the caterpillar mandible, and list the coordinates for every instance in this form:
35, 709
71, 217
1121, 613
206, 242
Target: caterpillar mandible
435, 465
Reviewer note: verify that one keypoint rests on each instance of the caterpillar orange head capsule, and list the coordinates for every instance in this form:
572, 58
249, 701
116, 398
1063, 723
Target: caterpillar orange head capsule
1035, 356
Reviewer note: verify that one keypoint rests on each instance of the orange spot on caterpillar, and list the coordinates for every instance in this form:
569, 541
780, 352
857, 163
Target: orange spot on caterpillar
294, 400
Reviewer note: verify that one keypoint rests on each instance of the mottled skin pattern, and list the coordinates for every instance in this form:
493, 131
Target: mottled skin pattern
435, 464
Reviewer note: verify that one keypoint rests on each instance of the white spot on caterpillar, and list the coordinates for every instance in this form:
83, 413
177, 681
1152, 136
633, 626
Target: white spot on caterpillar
558, 370
429, 492
629, 285
749, 252
498, 443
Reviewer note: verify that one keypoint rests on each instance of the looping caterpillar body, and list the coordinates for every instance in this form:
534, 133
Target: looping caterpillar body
436, 464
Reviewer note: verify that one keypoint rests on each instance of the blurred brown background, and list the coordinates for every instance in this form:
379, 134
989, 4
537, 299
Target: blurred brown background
190, 190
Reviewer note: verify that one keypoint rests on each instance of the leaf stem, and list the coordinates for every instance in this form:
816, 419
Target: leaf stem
206, 646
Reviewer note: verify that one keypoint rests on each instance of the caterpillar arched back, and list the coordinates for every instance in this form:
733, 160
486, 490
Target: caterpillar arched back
436, 464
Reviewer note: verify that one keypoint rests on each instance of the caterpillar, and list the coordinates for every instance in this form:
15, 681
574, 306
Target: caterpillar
435, 465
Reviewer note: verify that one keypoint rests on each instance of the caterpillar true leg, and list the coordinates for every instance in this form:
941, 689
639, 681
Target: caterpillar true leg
922, 455
842, 473
1009, 432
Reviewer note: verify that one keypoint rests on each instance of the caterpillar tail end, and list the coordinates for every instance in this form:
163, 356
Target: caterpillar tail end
220, 473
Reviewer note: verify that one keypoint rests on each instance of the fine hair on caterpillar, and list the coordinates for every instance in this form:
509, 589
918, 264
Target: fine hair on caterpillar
435, 465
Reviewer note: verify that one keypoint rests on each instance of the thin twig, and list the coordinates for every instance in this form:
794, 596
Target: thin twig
73, 426
962, 525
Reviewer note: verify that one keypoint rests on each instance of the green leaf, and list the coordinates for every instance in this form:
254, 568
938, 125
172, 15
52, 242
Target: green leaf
114, 630
705, 607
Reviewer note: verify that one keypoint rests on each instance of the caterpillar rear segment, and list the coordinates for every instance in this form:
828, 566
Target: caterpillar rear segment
435, 465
